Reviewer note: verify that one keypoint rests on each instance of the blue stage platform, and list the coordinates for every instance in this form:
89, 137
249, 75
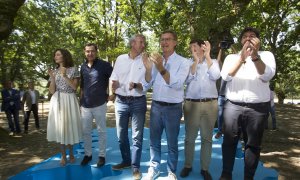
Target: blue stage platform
50, 169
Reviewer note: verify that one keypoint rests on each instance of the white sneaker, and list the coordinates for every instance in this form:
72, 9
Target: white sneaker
172, 176
152, 174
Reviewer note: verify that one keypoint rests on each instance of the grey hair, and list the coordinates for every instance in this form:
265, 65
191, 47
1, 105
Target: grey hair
132, 38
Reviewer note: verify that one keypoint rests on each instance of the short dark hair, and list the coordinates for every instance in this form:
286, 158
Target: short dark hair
249, 29
171, 32
68, 60
198, 41
91, 44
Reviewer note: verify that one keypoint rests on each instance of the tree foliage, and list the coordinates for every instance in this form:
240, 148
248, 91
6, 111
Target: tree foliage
42, 26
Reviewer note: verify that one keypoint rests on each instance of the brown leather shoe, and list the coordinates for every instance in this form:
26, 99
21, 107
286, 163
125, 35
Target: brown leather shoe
206, 175
218, 135
185, 172
137, 175
121, 166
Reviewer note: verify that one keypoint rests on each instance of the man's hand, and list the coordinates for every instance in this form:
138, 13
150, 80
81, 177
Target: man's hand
131, 85
112, 98
146, 60
115, 85
157, 59
206, 49
246, 51
255, 45
195, 54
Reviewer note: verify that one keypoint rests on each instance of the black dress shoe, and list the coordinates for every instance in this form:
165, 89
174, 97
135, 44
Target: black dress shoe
101, 161
86, 160
185, 172
206, 175
226, 176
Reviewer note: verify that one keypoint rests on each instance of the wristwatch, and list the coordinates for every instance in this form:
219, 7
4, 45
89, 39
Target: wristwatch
257, 58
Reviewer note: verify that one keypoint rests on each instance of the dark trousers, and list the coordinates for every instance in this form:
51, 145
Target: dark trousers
34, 109
14, 126
248, 119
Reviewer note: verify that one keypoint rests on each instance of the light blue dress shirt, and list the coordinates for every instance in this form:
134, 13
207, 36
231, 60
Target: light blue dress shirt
178, 67
202, 84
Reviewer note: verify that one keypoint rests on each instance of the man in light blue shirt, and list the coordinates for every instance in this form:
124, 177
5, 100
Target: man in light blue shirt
201, 106
167, 78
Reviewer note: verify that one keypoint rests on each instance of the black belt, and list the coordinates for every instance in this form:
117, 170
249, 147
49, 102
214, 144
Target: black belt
129, 98
251, 104
201, 100
165, 103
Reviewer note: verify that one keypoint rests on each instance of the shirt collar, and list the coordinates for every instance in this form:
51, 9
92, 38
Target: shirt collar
95, 61
138, 56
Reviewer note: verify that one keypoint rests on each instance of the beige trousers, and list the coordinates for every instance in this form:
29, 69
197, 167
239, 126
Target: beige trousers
199, 116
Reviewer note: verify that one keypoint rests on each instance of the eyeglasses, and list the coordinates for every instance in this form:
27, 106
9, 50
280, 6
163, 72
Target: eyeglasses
166, 39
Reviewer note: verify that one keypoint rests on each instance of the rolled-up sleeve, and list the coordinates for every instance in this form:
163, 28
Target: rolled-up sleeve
147, 85
214, 71
177, 79
225, 69
269, 60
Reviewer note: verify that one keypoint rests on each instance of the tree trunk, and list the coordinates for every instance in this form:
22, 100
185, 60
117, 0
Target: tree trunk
8, 12
280, 100
281, 96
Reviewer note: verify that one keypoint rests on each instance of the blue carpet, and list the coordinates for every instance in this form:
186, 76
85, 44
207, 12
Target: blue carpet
50, 169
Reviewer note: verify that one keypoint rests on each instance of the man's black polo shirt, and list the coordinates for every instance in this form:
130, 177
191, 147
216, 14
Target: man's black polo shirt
94, 83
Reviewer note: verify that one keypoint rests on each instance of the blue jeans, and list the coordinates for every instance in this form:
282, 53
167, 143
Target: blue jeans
221, 102
136, 110
14, 125
273, 116
168, 118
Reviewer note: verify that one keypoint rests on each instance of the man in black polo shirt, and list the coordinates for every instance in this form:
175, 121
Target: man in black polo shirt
95, 75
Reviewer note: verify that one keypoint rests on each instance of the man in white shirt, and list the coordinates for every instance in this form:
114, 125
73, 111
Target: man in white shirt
30, 99
247, 74
130, 103
201, 106
167, 78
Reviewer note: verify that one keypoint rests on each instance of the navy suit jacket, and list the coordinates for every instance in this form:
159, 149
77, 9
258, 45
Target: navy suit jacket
7, 98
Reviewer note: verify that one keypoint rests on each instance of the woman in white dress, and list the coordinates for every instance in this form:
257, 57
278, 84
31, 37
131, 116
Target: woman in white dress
64, 125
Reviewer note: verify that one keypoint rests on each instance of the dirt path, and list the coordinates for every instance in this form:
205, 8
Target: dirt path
281, 149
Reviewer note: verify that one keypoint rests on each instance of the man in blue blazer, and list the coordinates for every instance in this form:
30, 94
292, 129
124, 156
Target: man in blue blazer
11, 106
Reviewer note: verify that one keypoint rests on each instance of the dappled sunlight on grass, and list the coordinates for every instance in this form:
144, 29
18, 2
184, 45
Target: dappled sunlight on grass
296, 150
16, 152
271, 165
273, 153
34, 160
281, 149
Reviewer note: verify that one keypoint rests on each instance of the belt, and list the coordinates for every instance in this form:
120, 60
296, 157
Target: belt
165, 103
201, 100
251, 104
129, 98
